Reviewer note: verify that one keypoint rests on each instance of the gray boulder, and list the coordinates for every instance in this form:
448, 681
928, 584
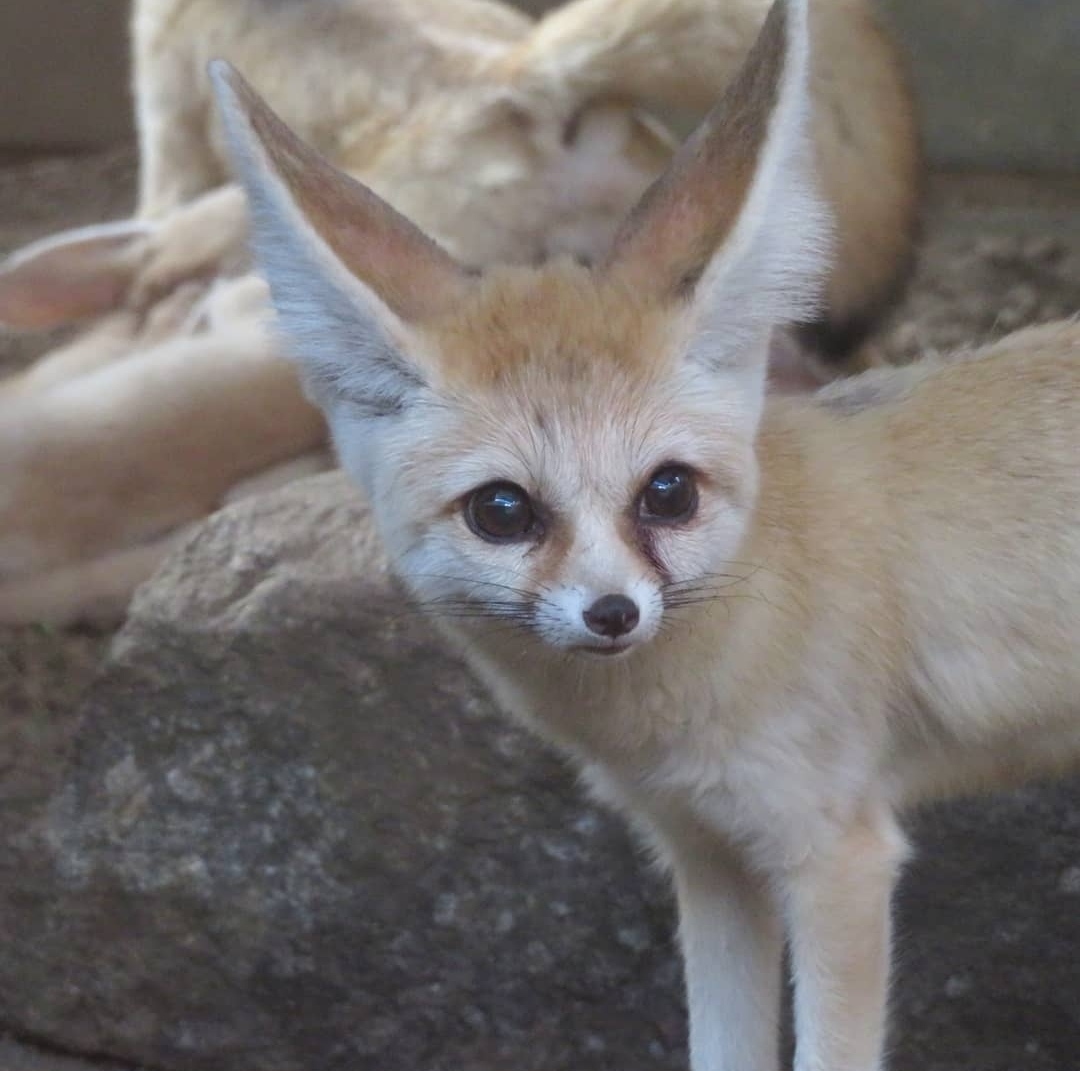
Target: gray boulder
290, 833
293, 835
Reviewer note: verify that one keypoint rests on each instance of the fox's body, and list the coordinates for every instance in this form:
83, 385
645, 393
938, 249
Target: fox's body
899, 624
763, 626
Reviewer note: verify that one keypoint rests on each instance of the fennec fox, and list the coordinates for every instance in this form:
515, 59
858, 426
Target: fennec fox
763, 626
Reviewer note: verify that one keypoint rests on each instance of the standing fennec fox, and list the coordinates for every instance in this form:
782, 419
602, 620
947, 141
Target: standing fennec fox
763, 626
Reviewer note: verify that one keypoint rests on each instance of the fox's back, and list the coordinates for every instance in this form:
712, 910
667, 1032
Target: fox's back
982, 483
986, 448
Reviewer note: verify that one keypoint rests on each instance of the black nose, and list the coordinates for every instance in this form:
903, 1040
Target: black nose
612, 615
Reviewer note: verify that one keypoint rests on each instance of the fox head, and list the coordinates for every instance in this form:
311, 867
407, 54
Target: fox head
564, 450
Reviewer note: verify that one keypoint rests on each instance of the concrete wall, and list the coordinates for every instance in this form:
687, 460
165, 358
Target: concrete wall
999, 80
63, 72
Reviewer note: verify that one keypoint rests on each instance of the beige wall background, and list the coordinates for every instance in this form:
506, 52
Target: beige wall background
998, 80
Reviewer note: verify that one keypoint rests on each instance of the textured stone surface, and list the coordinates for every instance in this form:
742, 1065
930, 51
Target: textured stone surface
19, 1056
989, 932
292, 835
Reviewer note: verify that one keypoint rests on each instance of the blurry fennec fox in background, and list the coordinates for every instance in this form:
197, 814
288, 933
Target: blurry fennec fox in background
507, 140
553, 81
762, 625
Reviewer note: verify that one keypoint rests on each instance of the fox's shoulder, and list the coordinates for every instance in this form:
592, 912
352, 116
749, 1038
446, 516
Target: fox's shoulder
1044, 359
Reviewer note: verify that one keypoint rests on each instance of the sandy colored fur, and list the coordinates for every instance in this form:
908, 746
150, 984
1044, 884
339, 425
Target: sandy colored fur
517, 324
865, 125
871, 597
365, 64
54, 440
899, 624
922, 548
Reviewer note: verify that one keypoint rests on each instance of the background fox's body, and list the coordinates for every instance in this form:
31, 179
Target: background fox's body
368, 66
365, 67
762, 625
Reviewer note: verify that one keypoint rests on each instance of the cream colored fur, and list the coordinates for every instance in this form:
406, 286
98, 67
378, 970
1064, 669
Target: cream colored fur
873, 599
507, 143
863, 127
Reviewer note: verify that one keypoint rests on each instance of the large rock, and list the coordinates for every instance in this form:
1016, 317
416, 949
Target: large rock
291, 835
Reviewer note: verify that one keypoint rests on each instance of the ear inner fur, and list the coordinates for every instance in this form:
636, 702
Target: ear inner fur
683, 218
71, 275
410, 272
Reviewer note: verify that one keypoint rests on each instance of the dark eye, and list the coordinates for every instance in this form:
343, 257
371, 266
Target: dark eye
670, 496
500, 512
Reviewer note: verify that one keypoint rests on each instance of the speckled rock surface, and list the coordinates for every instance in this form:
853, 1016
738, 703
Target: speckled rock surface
293, 835
989, 936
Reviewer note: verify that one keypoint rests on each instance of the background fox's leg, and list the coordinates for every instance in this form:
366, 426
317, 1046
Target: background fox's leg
115, 337
94, 592
105, 342
98, 591
143, 445
203, 239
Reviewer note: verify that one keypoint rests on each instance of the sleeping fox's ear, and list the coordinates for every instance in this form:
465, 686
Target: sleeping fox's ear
71, 276
735, 231
350, 277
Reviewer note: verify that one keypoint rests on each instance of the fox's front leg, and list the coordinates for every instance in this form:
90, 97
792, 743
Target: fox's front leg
732, 942
838, 906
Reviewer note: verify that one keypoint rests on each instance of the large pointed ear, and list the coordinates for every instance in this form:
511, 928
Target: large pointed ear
350, 278
72, 275
734, 231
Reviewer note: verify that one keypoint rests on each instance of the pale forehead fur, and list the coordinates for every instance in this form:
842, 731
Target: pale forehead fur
563, 380
562, 322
